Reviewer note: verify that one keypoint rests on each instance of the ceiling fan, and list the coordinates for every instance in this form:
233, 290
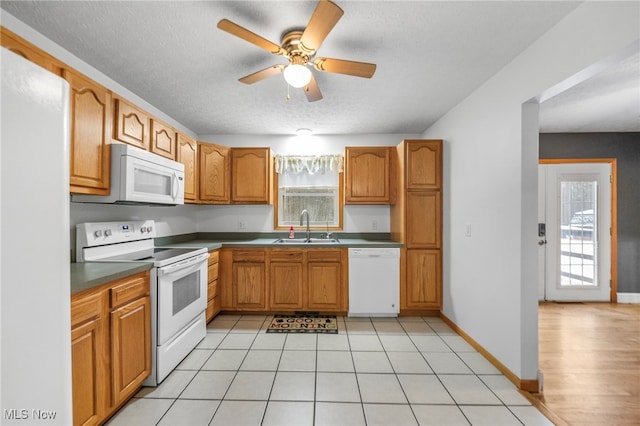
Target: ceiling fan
300, 48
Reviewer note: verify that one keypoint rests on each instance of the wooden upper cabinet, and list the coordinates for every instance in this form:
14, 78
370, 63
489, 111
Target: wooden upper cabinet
424, 219
251, 175
90, 135
423, 164
214, 170
28, 51
131, 124
163, 139
369, 175
188, 156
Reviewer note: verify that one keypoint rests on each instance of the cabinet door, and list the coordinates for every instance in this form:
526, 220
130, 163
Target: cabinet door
188, 156
163, 139
130, 348
131, 124
90, 135
286, 285
214, 169
249, 285
424, 219
423, 280
325, 286
250, 175
368, 175
424, 164
87, 376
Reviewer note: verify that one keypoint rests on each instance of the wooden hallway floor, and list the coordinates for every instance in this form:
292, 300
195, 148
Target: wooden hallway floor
590, 357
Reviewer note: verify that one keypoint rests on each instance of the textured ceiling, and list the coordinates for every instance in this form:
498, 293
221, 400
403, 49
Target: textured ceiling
430, 56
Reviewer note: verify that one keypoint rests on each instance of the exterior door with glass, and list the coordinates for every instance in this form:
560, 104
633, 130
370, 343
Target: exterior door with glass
575, 238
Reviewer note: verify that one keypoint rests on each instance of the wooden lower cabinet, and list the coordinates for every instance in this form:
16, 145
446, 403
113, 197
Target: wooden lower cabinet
286, 279
90, 373
283, 280
213, 293
423, 280
324, 286
130, 348
110, 346
249, 280
325, 275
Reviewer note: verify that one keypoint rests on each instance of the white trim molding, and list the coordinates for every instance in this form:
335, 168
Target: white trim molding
628, 297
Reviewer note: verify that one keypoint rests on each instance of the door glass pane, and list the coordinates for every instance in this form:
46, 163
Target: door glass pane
578, 245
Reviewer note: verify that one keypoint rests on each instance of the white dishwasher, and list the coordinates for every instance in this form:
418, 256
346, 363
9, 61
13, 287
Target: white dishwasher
374, 282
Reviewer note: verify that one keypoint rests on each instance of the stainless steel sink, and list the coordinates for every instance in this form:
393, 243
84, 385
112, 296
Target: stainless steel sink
305, 241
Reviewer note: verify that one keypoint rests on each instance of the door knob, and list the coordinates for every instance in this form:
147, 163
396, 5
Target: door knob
542, 242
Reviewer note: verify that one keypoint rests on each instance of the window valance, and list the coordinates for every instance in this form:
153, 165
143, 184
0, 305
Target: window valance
320, 164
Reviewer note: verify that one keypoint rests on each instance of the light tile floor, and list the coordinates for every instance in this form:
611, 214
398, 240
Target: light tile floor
376, 371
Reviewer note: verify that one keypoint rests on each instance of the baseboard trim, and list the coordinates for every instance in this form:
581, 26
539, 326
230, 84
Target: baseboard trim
628, 297
524, 385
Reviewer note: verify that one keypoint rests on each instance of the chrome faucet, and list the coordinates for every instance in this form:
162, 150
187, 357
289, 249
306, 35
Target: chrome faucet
302, 214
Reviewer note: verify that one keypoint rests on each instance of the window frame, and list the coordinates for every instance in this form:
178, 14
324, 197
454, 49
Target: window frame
339, 227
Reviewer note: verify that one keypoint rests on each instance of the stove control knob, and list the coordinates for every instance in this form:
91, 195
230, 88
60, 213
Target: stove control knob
149, 229
143, 229
107, 233
98, 233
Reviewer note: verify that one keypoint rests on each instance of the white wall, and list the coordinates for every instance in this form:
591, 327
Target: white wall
490, 182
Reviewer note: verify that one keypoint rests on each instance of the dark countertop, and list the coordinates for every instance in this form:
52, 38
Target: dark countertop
212, 242
92, 274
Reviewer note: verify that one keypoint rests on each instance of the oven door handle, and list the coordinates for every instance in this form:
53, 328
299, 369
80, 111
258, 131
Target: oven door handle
175, 267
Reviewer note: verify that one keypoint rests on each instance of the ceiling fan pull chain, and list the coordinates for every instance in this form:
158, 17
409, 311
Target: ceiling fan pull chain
288, 95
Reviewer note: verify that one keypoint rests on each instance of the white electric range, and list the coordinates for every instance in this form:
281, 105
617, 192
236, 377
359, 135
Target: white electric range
178, 285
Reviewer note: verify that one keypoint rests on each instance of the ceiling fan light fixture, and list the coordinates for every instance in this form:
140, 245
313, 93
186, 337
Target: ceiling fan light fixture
297, 75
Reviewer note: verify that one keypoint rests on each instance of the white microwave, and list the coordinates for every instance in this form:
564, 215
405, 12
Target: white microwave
140, 177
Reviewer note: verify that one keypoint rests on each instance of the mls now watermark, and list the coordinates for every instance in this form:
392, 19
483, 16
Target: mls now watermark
25, 414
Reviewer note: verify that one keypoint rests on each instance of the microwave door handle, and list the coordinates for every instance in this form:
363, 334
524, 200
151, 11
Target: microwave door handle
174, 189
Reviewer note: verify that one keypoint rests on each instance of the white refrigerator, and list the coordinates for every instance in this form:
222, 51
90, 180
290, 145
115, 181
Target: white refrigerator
35, 351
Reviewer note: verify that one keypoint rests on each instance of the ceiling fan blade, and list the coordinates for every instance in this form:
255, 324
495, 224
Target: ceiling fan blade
340, 66
251, 37
262, 74
324, 18
312, 91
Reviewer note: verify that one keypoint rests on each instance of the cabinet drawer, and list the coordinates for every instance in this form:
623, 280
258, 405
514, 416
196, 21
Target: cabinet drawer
212, 273
212, 289
129, 289
248, 256
213, 257
84, 308
323, 255
286, 255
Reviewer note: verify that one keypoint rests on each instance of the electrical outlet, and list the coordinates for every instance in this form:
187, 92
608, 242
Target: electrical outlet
242, 225
374, 225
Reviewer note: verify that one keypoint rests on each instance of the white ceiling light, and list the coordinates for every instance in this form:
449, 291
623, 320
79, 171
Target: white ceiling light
303, 132
297, 75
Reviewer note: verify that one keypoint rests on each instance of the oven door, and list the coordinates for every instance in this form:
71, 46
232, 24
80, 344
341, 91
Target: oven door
182, 295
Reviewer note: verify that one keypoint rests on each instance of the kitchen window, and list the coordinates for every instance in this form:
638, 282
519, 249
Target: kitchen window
309, 182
